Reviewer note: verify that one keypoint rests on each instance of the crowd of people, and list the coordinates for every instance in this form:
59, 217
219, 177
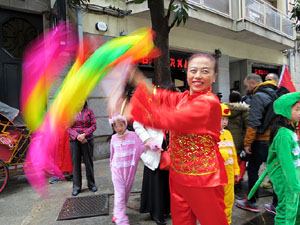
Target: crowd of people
208, 146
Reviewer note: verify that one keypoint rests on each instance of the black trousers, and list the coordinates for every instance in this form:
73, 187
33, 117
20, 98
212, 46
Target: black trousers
155, 196
259, 155
85, 151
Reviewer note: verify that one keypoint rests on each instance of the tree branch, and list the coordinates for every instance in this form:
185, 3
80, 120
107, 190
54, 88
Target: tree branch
172, 25
169, 9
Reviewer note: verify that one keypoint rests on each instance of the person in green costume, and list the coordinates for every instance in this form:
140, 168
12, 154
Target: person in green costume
284, 159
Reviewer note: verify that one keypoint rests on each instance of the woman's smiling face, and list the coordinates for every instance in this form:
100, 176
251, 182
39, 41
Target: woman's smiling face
201, 74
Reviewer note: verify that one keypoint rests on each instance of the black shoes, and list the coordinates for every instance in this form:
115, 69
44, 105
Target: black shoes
159, 222
75, 192
94, 189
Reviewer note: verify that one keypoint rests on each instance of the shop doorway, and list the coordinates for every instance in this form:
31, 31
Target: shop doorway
17, 29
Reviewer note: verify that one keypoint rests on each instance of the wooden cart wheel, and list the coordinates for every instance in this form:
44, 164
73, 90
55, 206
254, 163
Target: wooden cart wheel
3, 175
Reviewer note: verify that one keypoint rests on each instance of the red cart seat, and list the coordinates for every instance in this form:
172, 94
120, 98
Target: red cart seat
8, 141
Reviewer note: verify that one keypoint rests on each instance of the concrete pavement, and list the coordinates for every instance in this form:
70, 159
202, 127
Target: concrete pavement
21, 205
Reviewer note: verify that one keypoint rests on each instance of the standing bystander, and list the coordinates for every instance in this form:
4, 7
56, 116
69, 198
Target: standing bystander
82, 145
256, 141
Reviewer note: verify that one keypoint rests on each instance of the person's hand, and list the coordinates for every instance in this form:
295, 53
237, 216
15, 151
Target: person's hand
154, 146
248, 150
127, 111
136, 77
159, 148
148, 141
80, 137
236, 179
84, 141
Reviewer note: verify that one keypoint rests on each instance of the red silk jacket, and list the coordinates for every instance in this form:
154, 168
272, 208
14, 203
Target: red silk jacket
194, 122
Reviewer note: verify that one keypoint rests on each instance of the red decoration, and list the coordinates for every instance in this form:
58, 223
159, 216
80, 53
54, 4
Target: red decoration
172, 62
226, 111
261, 71
286, 80
179, 63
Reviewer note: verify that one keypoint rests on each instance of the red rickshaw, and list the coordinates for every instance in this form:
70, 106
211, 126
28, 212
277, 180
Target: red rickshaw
14, 142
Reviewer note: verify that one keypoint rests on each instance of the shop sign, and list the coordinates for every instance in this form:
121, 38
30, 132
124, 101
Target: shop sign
263, 71
176, 62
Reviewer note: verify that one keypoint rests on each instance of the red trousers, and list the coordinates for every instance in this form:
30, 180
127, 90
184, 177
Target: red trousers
189, 204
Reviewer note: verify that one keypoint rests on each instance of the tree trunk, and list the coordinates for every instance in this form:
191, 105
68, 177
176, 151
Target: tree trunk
160, 25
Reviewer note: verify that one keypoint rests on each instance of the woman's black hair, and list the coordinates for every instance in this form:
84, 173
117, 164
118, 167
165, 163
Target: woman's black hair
280, 121
85, 105
128, 91
206, 55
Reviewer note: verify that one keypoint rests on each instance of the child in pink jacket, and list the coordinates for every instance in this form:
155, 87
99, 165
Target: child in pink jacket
125, 150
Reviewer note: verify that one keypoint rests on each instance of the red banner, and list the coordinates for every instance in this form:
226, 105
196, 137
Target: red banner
286, 80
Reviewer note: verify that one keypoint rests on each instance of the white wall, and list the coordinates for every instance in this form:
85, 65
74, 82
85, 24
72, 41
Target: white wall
222, 83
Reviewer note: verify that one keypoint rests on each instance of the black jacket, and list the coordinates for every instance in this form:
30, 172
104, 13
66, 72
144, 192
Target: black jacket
262, 96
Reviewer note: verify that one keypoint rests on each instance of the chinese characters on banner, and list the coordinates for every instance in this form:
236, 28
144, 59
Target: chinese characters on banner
178, 63
175, 63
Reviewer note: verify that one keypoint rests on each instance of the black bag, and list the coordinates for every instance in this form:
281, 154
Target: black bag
244, 156
269, 114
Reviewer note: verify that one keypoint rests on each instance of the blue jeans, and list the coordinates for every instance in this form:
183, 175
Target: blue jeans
259, 155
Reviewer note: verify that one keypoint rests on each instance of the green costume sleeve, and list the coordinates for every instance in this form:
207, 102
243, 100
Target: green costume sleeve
284, 147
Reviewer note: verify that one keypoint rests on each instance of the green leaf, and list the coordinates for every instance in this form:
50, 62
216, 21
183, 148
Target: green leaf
178, 23
175, 18
184, 13
184, 20
179, 14
174, 7
139, 1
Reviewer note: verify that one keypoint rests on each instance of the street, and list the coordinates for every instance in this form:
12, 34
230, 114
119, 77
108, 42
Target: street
21, 205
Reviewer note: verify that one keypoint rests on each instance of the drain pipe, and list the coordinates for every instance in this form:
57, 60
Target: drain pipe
292, 64
289, 59
79, 23
288, 53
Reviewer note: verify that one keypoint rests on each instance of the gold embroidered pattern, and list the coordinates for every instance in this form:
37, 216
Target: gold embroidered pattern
154, 90
193, 154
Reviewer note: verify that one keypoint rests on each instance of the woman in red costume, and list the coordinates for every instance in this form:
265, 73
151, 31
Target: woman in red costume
197, 172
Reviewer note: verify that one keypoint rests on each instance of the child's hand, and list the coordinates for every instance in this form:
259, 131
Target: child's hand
236, 179
154, 146
148, 142
157, 148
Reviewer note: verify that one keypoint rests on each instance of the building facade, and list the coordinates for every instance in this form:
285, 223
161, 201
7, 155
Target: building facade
247, 36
